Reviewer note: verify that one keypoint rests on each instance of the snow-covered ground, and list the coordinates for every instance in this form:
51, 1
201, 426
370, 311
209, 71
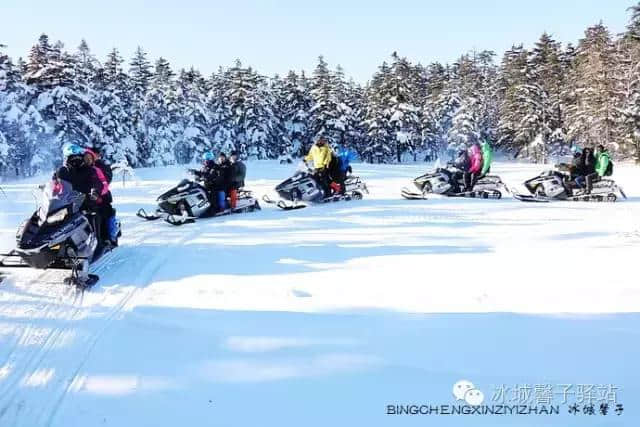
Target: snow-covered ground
326, 315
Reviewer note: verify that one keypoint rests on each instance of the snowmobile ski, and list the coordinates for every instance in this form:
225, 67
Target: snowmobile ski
292, 205
599, 198
530, 198
83, 285
478, 194
412, 195
149, 217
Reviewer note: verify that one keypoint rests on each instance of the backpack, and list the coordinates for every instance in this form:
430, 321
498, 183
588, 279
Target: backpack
609, 170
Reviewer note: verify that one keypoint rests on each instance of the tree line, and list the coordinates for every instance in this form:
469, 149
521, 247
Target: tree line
532, 103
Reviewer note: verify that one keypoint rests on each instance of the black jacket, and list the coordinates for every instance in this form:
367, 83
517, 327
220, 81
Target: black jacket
237, 174
463, 162
83, 179
216, 177
589, 162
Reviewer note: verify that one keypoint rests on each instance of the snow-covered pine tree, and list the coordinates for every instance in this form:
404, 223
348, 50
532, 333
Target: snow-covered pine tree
548, 81
85, 66
326, 114
68, 111
113, 96
513, 74
629, 81
355, 137
376, 118
160, 115
21, 124
401, 105
466, 85
595, 118
6, 72
435, 119
222, 130
193, 117
282, 145
296, 106
251, 103
140, 76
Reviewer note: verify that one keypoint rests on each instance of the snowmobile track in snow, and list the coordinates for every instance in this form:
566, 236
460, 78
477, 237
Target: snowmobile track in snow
143, 278
38, 347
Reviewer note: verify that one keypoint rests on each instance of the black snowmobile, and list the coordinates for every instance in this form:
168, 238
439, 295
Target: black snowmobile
439, 182
59, 235
188, 201
554, 185
302, 187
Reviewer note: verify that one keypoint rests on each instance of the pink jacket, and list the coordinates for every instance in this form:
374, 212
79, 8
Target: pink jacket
475, 155
103, 180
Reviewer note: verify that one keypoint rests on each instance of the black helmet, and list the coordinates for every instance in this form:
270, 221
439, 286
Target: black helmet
75, 161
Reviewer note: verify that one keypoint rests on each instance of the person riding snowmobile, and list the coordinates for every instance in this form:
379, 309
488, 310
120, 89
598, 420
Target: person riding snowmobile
339, 167
475, 167
487, 157
83, 179
222, 181
588, 162
238, 172
603, 159
320, 154
109, 227
75, 170
462, 164
104, 166
213, 178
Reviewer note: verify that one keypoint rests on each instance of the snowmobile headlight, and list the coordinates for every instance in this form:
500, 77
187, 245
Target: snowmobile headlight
58, 216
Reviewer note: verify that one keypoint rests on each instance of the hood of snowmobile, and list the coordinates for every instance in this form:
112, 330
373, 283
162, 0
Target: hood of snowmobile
291, 183
33, 237
547, 175
183, 187
425, 177
41, 245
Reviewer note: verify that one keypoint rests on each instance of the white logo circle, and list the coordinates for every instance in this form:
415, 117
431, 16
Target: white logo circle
461, 387
474, 397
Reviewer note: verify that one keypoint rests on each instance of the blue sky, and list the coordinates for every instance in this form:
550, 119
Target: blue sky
275, 36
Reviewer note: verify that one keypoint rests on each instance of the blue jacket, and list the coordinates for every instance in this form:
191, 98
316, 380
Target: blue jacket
346, 156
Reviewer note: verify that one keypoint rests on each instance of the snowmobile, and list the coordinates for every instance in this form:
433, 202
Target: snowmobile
554, 185
59, 235
302, 187
188, 201
439, 182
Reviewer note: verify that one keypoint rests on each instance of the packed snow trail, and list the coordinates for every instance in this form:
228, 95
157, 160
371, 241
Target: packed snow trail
295, 313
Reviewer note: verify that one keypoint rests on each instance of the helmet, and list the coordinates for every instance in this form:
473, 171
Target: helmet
74, 161
72, 150
92, 152
207, 156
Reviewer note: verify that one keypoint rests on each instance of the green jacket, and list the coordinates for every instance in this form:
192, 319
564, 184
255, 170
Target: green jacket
487, 156
602, 162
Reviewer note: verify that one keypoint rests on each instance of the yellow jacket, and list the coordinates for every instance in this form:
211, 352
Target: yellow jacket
321, 156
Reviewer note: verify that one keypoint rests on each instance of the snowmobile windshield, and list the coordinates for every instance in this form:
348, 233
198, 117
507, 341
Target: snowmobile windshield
57, 201
302, 168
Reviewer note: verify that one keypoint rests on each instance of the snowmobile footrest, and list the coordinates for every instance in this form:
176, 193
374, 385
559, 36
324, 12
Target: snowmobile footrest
91, 280
144, 215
